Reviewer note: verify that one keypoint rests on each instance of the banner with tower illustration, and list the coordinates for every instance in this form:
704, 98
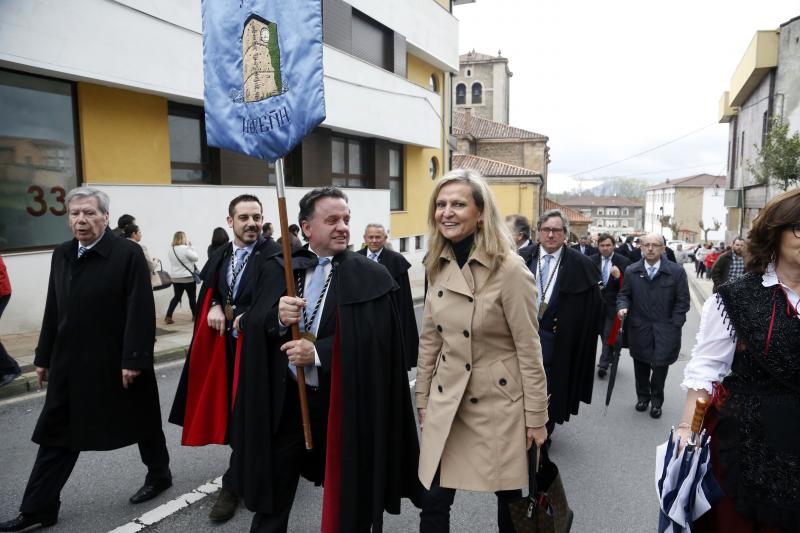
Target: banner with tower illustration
262, 62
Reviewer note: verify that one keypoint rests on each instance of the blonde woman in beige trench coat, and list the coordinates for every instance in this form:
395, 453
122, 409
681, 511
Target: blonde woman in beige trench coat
481, 390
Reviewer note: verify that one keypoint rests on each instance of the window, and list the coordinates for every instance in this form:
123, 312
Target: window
396, 179
741, 149
347, 162
477, 93
764, 128
372, 41
469, 72
433, 83
461, 94
188, 151
624, 211
418, 242
38, 160
599, 210
433, 167
612, 211
404, 245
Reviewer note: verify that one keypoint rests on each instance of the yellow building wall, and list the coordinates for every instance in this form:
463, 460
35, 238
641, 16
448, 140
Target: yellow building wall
124, 136
516, 198
418, 184
444, 3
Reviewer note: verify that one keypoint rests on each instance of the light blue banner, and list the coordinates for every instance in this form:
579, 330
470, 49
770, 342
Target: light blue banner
262, 62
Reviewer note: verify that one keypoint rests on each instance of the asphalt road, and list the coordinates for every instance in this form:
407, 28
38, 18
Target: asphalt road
606, 461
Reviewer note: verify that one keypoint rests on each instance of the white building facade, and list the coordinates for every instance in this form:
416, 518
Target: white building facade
110, 93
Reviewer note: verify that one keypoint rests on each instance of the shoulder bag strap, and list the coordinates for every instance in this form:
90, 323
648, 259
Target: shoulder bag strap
179, 260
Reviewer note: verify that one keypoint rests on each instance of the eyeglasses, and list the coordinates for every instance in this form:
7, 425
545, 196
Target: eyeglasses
554, 231
651, 245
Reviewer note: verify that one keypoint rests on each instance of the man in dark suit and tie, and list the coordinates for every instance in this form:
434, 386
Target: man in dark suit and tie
584, 245
626, 247
229, 279
375, 237
611, 265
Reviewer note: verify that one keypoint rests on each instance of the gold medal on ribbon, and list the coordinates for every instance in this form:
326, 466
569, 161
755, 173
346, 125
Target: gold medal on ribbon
542, 309
310, 337
228, 309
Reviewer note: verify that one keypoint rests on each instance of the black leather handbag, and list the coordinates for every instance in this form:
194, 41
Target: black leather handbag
160, 279
545, 508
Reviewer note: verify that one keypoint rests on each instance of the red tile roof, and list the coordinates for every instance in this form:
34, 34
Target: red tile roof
481, 128
572, 215
490, 167
698, 180
601, 201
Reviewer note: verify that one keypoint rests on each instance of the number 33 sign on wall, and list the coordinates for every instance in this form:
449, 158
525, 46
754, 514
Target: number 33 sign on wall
40, 207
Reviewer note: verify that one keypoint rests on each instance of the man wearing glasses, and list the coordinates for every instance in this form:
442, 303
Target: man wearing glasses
570, 315
655, 298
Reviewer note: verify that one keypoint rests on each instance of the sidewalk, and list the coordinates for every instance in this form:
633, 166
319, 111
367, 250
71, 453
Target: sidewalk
701, 286
172, 342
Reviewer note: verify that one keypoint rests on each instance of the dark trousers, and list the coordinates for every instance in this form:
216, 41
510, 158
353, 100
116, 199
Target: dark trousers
179, 288
289, 456
7, 363
53, 466
605, 355
650, 382
436, 503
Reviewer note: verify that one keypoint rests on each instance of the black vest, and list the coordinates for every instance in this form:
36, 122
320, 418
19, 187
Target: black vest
759, 425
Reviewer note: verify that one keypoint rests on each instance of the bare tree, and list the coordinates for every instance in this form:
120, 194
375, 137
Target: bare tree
714, 226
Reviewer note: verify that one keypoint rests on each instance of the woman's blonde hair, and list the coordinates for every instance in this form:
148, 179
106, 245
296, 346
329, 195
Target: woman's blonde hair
491, 236
179, 238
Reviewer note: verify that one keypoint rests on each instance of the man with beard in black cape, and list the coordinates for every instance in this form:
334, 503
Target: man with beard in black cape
570, 315
365, 439
375, 237
203, 399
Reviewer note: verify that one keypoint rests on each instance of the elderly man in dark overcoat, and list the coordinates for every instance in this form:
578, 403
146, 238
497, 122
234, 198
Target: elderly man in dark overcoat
570, 315
655, 298
202, 402
376, 250
365, 446
96, 353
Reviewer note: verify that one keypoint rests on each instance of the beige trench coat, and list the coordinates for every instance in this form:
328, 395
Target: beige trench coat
479, 375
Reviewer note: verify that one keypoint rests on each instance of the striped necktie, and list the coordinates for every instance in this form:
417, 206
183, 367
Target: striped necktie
81, 251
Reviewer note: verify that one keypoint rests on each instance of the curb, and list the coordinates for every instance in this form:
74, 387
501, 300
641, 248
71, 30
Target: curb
27, 383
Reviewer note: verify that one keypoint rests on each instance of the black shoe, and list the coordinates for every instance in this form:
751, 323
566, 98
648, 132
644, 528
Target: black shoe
150, 490
8, 378
601, 372
26, 520
655, 412
641, 405
224, 507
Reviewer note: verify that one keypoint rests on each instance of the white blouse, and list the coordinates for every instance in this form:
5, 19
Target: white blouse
712, 355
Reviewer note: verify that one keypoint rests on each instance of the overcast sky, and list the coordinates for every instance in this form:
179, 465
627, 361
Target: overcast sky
605, 80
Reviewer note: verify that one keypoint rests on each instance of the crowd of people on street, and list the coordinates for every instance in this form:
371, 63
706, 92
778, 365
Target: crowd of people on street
512, 317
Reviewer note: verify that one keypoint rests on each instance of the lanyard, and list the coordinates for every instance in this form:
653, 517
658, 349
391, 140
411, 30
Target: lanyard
235, 273
550, 276
309, 322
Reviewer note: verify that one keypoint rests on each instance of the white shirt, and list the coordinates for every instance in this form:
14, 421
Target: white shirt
712, 356
377, 254
91, 244
249, 249
648, 266
552, 276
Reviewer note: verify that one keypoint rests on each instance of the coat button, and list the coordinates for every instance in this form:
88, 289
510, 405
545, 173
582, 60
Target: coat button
466, 333
503, 382
440, 388
473, 400
441, 294
468, 367
439, 329
470, 299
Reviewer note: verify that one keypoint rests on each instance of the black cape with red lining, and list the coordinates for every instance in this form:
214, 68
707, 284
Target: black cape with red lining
579, 324
398, 267
372, 446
